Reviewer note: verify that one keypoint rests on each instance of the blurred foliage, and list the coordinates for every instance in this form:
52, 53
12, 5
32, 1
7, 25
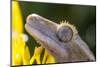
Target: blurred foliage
83, 17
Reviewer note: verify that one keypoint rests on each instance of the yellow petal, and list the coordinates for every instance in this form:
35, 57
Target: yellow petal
20, 51
50, 59
16, 51
16, 59
37, 54
32, 59
16, 17
26, 57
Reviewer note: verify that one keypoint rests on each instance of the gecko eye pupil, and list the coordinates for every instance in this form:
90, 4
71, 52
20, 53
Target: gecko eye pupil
64, 33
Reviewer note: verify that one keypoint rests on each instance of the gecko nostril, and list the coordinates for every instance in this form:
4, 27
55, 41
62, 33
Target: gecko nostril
64, 33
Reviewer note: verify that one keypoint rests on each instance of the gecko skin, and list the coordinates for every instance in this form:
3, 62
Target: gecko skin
45, 32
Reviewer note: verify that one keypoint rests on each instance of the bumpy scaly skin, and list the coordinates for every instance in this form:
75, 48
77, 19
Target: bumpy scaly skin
60, 40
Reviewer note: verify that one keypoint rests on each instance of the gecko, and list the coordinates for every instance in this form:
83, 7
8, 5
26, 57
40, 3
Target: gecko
62, 41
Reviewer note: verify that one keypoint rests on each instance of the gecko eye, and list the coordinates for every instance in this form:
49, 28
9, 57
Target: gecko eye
64, 33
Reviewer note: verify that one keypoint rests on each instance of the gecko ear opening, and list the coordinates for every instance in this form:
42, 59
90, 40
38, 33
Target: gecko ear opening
64, 33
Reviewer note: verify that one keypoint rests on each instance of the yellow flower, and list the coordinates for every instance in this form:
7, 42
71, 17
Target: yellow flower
20, 51
36, 55
47, 58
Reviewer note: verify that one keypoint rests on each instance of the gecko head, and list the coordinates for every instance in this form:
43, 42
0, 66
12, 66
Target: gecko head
64, 31
50, 34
